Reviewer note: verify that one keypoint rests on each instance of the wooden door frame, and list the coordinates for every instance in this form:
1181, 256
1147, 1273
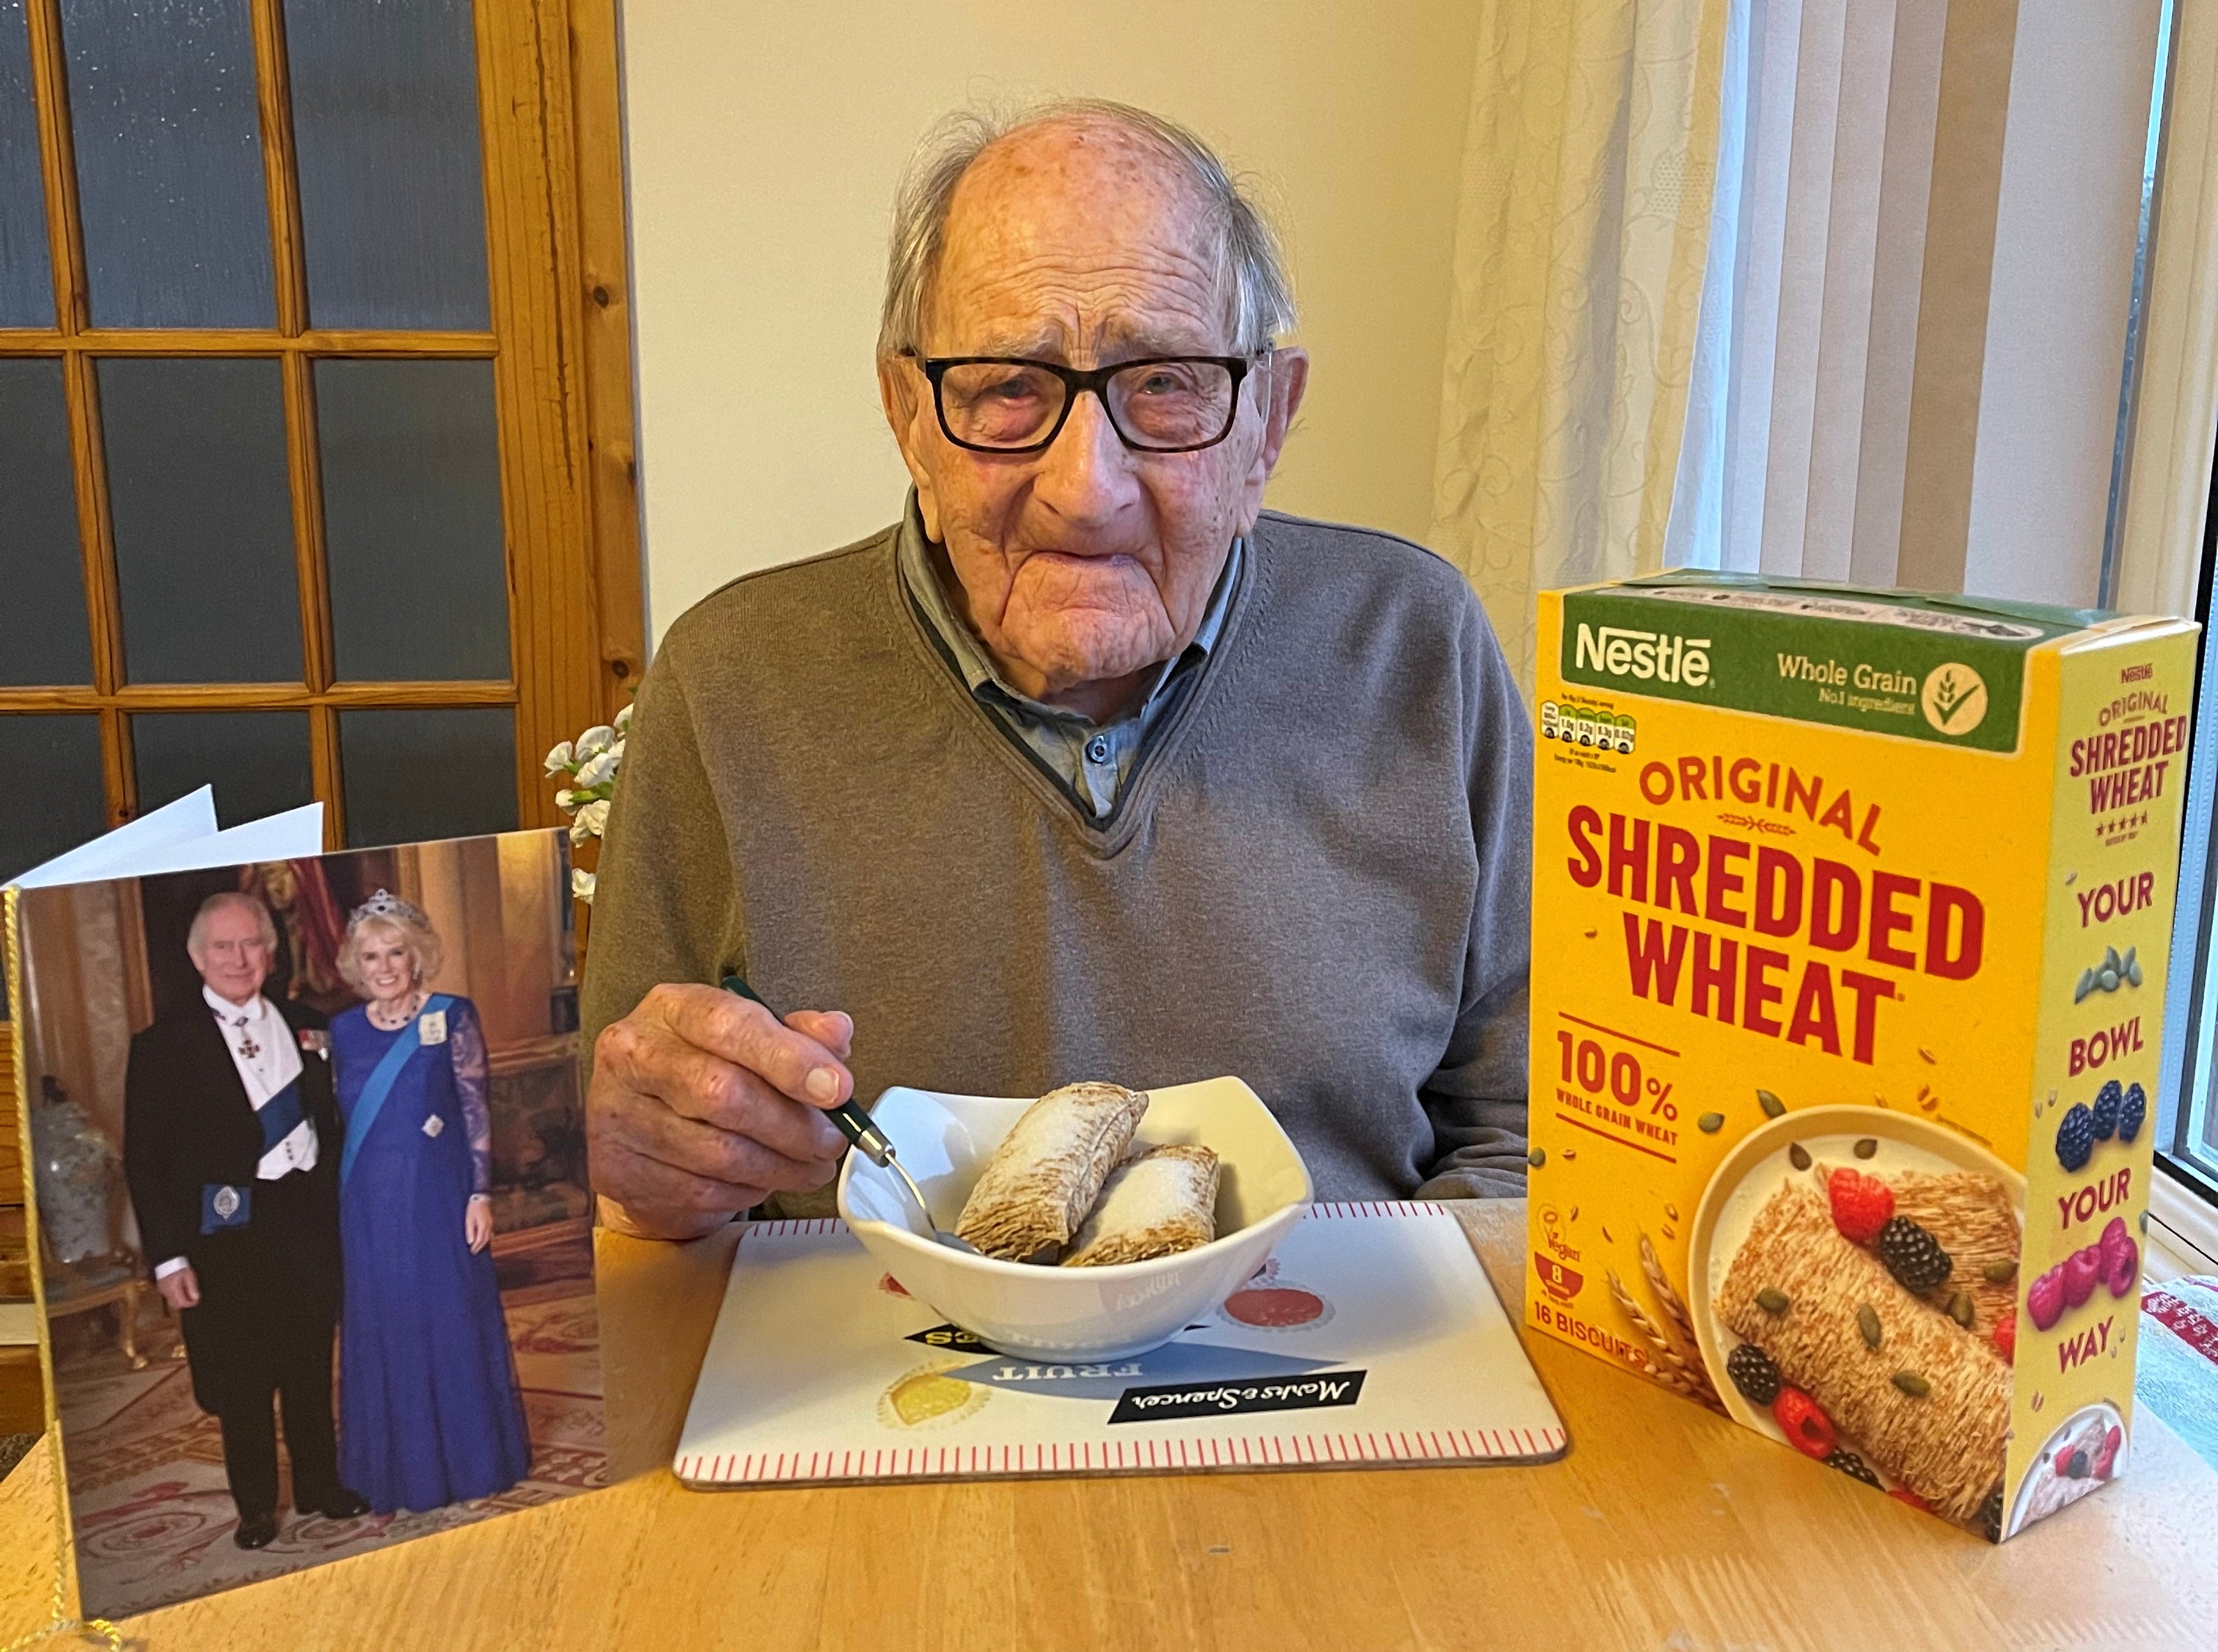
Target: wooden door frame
553, 147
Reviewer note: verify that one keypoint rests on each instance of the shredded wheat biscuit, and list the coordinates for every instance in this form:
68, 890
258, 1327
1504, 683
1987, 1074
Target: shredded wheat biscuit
1043, 1178
1970, 1215
1945, 1445
1155, 1203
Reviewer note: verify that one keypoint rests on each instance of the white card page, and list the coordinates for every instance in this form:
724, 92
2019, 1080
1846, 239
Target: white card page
190, 816
298, 834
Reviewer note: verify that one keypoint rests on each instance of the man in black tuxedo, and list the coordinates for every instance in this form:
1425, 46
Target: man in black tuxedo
231, 1145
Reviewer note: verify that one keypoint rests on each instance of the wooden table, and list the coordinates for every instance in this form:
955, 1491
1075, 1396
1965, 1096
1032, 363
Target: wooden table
1665, 1527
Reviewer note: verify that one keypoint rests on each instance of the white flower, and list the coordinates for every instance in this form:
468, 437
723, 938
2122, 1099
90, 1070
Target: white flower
597, 770
623, 721
566, 800
593, 820
559, 760
581, 884
595, 741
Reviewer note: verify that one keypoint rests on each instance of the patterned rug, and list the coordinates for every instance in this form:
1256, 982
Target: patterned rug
146, 1468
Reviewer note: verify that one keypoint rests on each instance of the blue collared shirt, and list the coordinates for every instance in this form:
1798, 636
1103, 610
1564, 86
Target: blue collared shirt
1092, 759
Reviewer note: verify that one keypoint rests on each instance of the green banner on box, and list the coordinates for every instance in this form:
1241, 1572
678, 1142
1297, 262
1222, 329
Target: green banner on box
1919, 668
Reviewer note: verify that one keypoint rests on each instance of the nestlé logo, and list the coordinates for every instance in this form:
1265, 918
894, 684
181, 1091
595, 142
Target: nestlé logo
1618, 651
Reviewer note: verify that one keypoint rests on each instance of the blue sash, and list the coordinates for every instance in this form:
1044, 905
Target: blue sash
380, 1084
226, 1205
280, 1114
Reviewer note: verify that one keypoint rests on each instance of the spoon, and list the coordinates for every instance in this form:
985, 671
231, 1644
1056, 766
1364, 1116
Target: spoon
859, 1128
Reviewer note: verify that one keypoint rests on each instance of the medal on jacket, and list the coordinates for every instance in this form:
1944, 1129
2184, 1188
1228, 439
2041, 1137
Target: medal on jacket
431, 1029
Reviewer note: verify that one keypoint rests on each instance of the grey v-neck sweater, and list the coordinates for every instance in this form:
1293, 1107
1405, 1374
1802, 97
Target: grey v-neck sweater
1317, 876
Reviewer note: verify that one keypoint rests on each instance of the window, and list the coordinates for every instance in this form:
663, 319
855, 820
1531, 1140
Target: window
314, 409
2187, 1116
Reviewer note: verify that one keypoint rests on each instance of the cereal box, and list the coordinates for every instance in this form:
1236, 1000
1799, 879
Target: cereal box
1850, 923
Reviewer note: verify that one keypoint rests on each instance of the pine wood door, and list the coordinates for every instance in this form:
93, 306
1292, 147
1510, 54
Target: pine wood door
314, 420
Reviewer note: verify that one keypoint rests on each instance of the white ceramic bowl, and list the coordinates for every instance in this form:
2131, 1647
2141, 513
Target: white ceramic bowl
1073, 1313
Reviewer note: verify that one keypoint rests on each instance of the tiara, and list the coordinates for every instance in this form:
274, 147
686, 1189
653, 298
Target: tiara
385, 905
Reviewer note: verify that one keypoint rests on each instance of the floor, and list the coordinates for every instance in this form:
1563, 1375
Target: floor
145, 1464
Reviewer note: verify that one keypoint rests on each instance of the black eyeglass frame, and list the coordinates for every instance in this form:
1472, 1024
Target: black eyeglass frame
1076, 381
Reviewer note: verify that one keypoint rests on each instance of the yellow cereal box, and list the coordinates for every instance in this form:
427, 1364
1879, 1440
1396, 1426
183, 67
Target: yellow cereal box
1850, 922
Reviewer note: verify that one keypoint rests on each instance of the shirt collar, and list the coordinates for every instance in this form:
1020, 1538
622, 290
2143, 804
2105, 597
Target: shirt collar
253, 1009
921, 579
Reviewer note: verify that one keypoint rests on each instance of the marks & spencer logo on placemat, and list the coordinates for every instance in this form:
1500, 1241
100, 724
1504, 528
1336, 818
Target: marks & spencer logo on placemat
1183, 1400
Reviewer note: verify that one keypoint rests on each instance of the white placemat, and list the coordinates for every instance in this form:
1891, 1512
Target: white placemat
1371, 1337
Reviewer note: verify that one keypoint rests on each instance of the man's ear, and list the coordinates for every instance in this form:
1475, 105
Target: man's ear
907, 400
1280, 387
1289, 379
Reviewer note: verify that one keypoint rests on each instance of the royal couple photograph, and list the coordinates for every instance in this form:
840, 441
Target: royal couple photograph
348, 1190
352, 1187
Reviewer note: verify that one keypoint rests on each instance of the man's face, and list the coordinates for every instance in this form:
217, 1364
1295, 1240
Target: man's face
1081, 566
233, 955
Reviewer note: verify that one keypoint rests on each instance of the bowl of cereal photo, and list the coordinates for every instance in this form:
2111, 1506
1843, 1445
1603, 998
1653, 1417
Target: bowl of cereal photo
1853, 1279
1100, 1221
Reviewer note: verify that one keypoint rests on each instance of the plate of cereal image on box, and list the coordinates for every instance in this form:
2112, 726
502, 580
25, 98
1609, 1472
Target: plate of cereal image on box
2088, 1448
1852, 1277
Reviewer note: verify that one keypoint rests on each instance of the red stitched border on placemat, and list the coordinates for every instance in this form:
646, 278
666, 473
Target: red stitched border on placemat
2189, 1324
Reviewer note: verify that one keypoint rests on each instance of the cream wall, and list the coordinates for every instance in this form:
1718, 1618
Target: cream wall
762, 142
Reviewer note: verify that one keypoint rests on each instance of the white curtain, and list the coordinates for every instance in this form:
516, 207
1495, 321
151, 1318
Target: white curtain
1580, 243
1913, 323
1798, 433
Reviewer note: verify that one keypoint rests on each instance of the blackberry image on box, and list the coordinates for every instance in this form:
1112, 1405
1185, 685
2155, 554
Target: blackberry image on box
2108, 1100
2132, 1112
2075, 1138
1913, 1256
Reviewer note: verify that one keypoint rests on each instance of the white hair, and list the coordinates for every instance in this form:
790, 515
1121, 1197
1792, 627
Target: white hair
1250, 269
215, 904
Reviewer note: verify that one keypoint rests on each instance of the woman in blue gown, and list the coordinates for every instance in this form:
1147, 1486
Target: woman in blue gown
429, 1409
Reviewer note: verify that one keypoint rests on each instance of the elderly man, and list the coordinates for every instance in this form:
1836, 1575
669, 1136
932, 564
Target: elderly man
1089, 766
230, 1146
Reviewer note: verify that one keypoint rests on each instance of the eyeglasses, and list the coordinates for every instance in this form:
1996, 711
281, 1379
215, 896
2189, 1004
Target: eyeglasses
1158, 404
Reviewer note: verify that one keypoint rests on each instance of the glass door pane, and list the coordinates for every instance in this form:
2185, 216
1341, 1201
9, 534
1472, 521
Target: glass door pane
257, 761
385, 121
412, 520
412, 775
168, 132
44, 640
61, 756
27, 291
203, 511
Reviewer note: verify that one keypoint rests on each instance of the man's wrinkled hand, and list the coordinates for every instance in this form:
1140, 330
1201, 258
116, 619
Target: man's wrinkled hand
181, 1289
702, 1103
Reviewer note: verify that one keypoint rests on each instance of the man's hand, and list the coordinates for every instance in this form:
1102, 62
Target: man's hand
181, 1289
702, 1103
